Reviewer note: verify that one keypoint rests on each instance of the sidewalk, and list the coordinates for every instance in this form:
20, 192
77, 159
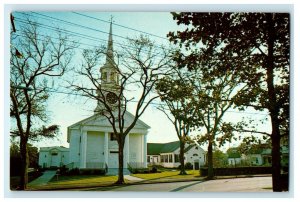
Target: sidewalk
44, 179
133, 179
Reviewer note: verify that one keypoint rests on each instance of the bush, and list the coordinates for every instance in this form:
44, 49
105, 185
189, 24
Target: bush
63, 170
74, 171
153, 169
237, 171
188, 166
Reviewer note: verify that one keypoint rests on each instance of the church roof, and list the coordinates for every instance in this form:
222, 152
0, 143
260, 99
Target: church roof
99, 120
60, 148
158, 148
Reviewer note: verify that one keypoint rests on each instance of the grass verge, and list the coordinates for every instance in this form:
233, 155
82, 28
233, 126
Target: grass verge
76, 181
191, 174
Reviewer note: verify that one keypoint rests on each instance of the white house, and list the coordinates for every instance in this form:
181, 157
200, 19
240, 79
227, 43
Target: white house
234, 157
92, 140
50, 157
167, 154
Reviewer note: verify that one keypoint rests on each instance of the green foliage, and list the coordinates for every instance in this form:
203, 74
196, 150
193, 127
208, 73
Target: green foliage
254, 48
15, 158
219, 158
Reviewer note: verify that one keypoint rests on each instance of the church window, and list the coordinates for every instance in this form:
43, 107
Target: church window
113, 137
104, 76
112, 77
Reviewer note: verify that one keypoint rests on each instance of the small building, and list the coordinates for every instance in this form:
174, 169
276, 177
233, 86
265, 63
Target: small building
53, 157
258, 155
167, 154
234, 159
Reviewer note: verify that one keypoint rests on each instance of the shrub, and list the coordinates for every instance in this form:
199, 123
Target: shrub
74, 171
153, 169
237, 171
188, 166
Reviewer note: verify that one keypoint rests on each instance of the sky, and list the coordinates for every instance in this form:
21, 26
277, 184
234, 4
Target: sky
90, 29
74, 113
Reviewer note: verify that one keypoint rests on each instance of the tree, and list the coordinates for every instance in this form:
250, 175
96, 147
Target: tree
176, 93
219, 158
15, 160
139, 66
215, 96
35, 59
257, 47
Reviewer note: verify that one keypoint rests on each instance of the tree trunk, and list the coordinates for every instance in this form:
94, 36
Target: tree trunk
121, 164
210, 174
273, 108
181, 158
24, 164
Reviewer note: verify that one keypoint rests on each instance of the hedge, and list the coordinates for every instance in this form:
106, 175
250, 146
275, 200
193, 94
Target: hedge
237, 171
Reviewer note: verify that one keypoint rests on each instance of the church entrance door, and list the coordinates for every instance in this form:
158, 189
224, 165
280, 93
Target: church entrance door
54, 160
113, 159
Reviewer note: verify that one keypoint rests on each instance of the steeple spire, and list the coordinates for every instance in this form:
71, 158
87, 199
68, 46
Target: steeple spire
110, 51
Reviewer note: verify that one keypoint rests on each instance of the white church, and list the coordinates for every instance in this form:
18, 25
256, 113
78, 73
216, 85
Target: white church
92, 141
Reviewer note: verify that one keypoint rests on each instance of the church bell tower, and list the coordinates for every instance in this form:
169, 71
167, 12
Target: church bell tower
110, 85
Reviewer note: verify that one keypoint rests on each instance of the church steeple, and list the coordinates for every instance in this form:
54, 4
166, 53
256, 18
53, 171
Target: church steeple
110, 50
109, 74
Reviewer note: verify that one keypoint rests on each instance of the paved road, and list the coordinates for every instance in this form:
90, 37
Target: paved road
255, 184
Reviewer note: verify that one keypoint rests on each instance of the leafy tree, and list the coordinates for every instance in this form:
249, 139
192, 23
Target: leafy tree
35, 59
15, 160
137, 69
254, 47
176, 92
219, 158
216, 95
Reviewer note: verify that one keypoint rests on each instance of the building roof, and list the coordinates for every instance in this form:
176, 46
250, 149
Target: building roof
234, 155
99, 120
233, 152
60, 148
158, 148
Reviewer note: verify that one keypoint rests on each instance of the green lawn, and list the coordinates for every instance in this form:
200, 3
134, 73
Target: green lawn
78, 181
81, 179
191, 174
